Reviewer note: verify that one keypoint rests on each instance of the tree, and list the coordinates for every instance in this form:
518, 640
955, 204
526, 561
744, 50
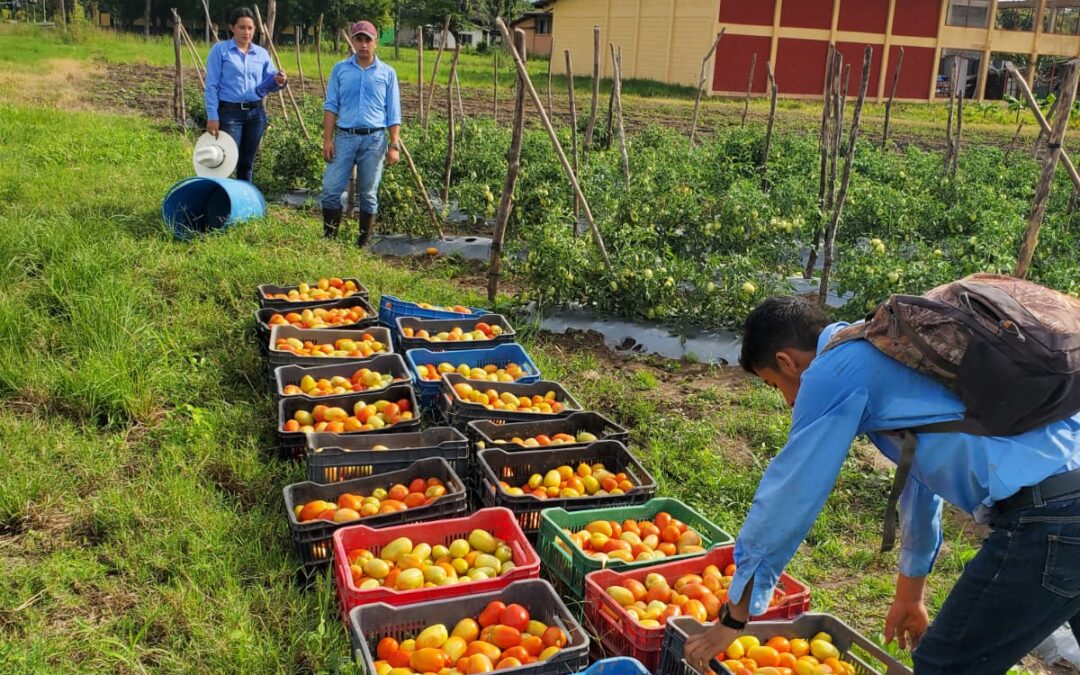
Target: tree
487, 11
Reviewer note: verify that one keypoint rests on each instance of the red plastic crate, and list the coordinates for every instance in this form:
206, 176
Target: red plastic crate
500, 522
621, 635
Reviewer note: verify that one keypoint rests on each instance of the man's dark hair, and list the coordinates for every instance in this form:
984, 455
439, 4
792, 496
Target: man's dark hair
241, 13
783, 322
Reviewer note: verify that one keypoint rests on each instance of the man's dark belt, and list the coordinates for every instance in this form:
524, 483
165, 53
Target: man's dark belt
358, 131
229, 105
1052, 489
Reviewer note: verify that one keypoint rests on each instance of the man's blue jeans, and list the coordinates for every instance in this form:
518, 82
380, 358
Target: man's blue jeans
367, 153
1022, 585
246, 128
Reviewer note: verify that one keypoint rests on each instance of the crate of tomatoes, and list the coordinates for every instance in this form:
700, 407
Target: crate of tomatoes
628, 610
812, 643
523, 628
447, 558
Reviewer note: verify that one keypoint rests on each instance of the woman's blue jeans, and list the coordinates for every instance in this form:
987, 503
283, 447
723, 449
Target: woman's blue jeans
246, 128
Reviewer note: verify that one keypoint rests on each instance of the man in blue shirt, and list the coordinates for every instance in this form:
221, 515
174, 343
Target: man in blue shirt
1025, 580
363, 108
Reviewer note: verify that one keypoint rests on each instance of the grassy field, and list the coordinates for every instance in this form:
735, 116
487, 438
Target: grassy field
141, 518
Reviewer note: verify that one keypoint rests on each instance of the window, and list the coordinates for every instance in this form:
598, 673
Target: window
542, 25
969, 13
1016, 15
466, 38
1062, 20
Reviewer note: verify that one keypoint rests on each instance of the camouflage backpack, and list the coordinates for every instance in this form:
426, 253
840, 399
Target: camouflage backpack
1008, 348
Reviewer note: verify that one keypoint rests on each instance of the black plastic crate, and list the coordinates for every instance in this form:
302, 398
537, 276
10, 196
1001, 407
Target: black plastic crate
370, 623
854, 648
515, 467
484, 433
293, 442
277, 357
262, 316
458, 413
271, 289
332, 458
433, 326
312, 540
391, 364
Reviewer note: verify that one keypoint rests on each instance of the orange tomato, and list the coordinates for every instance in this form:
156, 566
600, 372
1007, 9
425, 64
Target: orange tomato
479, 663
696, 609
779, 643
428, 660
503, 637
386, 647
554, 637
532, 644
483, 648
636, 588
508, 662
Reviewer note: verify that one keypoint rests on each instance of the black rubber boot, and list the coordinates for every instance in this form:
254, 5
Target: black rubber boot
367, 227
331, 219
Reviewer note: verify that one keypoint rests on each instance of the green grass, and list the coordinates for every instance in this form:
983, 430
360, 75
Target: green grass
141, 520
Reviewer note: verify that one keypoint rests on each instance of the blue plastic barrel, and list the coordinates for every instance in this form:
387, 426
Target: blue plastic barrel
202, 204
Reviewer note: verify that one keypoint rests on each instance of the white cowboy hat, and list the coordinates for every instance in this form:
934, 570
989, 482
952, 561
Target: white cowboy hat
215, 157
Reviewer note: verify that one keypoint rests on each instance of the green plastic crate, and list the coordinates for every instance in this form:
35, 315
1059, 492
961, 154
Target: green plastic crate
571, 567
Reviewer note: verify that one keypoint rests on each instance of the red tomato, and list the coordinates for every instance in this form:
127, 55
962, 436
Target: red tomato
515, 616
492, 614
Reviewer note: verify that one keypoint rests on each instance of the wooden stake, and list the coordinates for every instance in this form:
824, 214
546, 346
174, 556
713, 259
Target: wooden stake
450, 123
952, 97
523, 73
461, 104
701, 83
179, 107
772, 119
749, 88
1012, 143
591, 124
318, 54
551, 55
420, 186
1043, 124
849, 159
1046, 178
271, 20
420, 74
616, 90
573, 122
513, 166
288, 89
823, 143
892, 95
209, 24
611, 105
194, 55
836, 130
435, 71
959, 130
299, 65
495, 86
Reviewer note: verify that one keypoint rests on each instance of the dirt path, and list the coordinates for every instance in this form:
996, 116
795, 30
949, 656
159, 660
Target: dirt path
62, 86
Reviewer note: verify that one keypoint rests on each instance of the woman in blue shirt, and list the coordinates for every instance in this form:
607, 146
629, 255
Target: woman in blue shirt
238, 75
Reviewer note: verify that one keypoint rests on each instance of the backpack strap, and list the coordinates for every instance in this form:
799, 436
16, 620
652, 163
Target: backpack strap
903, 470
908, 442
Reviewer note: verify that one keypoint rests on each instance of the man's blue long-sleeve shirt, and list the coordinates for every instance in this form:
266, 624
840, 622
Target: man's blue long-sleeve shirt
363, 98
232, 75
855, 389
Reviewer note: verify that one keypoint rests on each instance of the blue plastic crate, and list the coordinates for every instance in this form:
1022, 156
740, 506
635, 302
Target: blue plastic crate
619, 665
390, 308
499, 356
